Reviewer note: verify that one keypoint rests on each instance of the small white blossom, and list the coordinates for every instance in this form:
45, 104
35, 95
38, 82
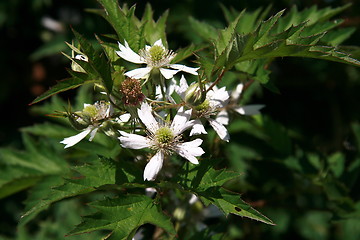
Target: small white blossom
155, 57
93, 115
162, 138
215, 100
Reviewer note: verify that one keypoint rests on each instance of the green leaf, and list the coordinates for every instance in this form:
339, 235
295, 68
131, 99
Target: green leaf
101, 67
186, 52
124, 23
61, 86
154, 31
101, 174
22, 169
123, 216
229, 202
203, 176
206, 183
204, 30
274, 39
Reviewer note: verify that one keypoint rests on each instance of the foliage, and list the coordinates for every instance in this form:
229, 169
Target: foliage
246, 175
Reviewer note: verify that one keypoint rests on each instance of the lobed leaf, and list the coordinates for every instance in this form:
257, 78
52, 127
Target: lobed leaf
123, 215
22, 169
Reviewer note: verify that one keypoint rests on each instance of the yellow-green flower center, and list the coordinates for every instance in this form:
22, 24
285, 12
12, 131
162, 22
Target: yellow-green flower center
90, 111
164, 135
203, 107
157, 53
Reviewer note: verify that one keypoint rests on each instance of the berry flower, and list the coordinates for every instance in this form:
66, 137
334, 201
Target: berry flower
215, 100
91, 118
155, 57
163, 138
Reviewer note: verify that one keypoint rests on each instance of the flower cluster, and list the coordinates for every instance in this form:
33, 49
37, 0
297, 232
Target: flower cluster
152, 109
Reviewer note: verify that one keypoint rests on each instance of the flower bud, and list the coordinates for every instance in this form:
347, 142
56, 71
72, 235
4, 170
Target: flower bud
77, 122
195, 94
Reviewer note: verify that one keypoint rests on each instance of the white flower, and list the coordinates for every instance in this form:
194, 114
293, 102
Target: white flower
252, 109
93, 116
155, 57
164, 139
215, 100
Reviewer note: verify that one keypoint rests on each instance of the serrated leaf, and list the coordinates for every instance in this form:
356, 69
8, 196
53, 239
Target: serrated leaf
88, 178
204, 30
206, 182
186, 52
22, 169
93, 176
123, 216
61, 86
273, 38
203, 176
97, 63
154, 31
124, 23
229, 202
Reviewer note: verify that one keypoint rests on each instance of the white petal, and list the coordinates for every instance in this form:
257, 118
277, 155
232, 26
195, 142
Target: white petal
218, 98
92, 133
193, 199
146, 117
235, 95
249, 109
159, 43
71, 141
198, 128
190, 150
171, 88
124, 118
133, 141
139, 73
184, 68
219, 129
81, 57
223, 117
128, 54
181, 121
150, 191
168, 73
183, 86
154, 166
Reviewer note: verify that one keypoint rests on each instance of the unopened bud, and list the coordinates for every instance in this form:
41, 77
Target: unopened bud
77, 122
194, 95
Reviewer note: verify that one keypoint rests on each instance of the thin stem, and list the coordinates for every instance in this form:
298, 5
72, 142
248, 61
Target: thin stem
217, 80
170, 106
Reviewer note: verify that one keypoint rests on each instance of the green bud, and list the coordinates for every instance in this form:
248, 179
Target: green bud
77, 122
195, 95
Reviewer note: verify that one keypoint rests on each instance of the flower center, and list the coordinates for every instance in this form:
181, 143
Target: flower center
157, 53
90, 111
164, 136
203, 107
157, 56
